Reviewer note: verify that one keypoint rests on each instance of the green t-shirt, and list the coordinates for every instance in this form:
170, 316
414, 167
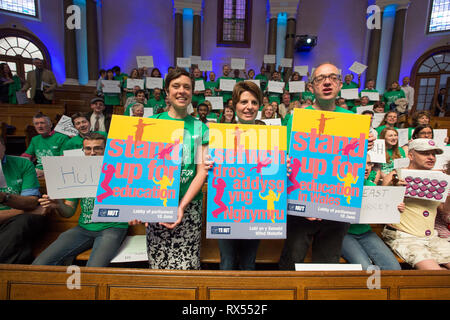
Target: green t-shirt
20, 177
85, 220
195, 134
48, 146
127, 111
77, 142
381, 128
389, 98
262, 81
389, 166
212, 85
290, 119
308, 95
361, 228
156, 104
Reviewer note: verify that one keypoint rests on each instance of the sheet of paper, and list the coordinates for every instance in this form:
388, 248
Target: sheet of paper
439, 137
270, 58
379, 204
350, 94
378, 152
133, 248
195, 60
65, 126
256, 81
111, 86
153, 82
373, 96
286, 62
144, 61
275, 86
402, 136
199, 85
360, 110
296, 86
302, 70
442, 159
238, 64
272, 122
377, 119
216, 102
227, 84
184, 62
73, 153
401, 163
357, 67
131, 83
205, 65
72, 177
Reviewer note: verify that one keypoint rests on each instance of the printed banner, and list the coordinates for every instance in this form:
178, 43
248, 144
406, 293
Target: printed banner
140, 176
247, 185
328, 158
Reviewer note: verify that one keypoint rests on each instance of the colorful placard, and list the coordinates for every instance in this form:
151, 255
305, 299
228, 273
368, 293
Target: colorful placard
247, 185
140, 176
328, 158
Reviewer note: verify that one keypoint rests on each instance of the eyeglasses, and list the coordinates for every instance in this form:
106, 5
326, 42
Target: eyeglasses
332, 76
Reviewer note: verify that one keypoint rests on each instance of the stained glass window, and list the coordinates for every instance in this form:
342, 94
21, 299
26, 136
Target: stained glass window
439, 19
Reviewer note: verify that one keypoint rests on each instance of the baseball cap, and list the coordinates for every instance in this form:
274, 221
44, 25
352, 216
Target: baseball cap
97, 99
424, 145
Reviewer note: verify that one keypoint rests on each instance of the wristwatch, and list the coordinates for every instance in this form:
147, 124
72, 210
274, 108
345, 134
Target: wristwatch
6, 198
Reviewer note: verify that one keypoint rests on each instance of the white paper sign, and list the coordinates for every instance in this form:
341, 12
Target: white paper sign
111, 86
302, 70
373, 96
350, 94
401, 163
378, 152
153, 82
286, 62
275, 86
360, 110
238, 64
65, 126
439, 137
296, 86
72, 177
131, 83
148, 112
133, 248
227, 84
184, 62
270, 58
216, 102
377, 119
195, 60
379, 204
272, 122
199, 85
144, 61
442, 159
73, 153
205, 65
402, 136
425, 184
357, 67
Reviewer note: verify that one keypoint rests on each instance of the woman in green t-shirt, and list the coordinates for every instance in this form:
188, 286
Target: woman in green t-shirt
389, 97
9, 85
393, 151
177, 245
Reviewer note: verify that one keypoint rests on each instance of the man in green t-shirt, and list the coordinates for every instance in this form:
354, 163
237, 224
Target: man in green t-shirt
328, 235
157, 102
81, 122
21, 219
104, 238
46, 143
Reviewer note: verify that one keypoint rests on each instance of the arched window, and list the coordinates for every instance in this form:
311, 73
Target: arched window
18, 48
431, 72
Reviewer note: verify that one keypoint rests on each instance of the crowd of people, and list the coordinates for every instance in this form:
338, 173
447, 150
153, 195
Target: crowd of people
422, 240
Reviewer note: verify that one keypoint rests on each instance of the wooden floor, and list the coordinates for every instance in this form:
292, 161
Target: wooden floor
22, 282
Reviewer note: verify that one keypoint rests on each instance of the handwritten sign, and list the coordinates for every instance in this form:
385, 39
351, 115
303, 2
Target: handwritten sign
272, 122
357, 67
328, 159
65, 126
71, 177
373, 96
227, 84
350, 94
111, 86
216, 102
140, 174
379, 204
131, 83
286, 62
184, 62
133, 248
378, 152
144, 61
275, 86
302, 70
296, 86
154, 82
205, 65
402, 137
247, 185
270, 58
238, 64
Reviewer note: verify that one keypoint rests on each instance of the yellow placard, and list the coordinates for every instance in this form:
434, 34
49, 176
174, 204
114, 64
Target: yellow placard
331, 123
145, 129
249, 137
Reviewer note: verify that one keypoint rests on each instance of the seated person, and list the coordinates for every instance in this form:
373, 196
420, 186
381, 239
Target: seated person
157, 101
414, 238
363, 246
99, 119
104, 238
137, 110
46, 143
81, 123
139, 98
203, 111
133, 98
21, 219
